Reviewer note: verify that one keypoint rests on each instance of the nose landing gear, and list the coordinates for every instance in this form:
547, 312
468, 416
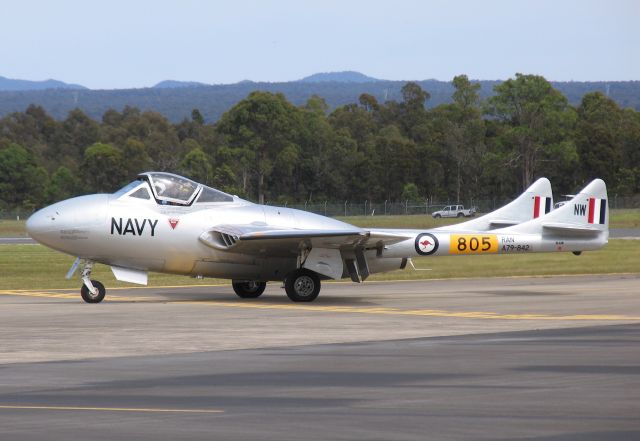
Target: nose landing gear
95, 295
92, 291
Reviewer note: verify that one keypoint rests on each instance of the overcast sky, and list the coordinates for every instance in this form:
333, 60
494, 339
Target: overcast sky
119, 44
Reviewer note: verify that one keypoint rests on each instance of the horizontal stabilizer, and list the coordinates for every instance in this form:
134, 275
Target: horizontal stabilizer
500, 223
581, 230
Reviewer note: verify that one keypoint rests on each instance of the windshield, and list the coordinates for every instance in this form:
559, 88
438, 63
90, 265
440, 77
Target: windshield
130, 186
210, 195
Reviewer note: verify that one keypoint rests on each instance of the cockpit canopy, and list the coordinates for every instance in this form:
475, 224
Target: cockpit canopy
170, 189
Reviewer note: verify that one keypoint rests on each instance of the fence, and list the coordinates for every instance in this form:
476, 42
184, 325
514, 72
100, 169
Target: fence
366, 208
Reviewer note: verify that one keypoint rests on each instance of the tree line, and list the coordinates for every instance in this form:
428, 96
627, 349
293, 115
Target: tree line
267, 149
176, 103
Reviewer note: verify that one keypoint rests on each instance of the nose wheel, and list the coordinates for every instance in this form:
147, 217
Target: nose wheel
92, 291
93, 296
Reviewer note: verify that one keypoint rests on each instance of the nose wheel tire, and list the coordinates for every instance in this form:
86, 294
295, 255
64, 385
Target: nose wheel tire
90, 297
249, 290
302, 285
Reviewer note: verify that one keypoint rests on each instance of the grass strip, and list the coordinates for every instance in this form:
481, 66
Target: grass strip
37, 267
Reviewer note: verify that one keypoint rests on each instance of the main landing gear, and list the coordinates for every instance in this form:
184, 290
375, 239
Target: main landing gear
302, 285
92, 291
248, 290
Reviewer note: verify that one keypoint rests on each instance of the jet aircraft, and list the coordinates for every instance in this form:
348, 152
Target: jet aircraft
163, 222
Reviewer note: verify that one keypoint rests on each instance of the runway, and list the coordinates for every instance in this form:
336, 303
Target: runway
551, 358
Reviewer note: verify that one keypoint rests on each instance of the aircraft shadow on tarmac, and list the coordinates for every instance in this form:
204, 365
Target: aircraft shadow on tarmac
269, 298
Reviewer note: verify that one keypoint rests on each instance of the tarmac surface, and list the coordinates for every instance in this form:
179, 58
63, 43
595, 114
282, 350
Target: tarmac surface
550, 358
16, 240
624, 233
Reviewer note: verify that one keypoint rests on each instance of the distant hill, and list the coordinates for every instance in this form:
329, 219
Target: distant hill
176, 103
347, 76
11, 84
172, 84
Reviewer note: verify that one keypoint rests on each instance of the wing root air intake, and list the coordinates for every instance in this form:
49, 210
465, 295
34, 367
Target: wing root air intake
219, 239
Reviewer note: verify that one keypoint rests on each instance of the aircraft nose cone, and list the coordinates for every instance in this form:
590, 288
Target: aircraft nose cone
39, 224
65, 224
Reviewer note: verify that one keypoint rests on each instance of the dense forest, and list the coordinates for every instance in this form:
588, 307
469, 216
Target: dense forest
175, 100
265, 148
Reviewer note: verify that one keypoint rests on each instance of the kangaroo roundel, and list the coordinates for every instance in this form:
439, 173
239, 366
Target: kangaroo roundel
426, 244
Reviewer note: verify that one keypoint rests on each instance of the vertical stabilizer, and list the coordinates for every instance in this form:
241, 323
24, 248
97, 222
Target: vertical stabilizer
587, 214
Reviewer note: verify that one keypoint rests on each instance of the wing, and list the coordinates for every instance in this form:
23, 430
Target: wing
269, 241
328, 252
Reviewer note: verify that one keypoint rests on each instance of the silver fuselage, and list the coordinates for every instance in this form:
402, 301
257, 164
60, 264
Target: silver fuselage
140, 234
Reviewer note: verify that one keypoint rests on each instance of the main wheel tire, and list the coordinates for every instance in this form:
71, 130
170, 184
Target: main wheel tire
249, 290
460, 215
437, 216
90, 297
302, 285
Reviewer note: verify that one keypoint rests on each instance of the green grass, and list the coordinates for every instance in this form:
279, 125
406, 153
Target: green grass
12, 228
37, 267
403, 221
625, 218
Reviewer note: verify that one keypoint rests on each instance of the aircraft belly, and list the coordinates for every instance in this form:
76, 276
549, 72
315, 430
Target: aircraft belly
382, 264
258, 269
142, 264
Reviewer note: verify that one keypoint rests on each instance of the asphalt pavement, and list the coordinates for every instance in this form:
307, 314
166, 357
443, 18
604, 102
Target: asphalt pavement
568, 384
16, 240
552, 358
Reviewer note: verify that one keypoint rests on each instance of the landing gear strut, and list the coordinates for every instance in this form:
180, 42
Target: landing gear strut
302, 285
92, 291
248, 290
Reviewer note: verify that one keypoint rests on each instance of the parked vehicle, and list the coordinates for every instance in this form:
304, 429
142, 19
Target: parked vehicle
454, 211
567, 198
559, 204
